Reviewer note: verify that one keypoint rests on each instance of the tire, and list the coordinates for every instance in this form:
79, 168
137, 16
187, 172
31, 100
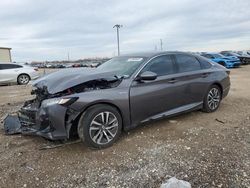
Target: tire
23, 79
244, 62
212, 99
94, 129
222, 63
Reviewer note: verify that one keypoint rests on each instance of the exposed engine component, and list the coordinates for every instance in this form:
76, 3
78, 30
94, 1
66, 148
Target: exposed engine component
104, 83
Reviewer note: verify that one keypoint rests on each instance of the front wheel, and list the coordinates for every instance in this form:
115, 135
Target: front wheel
222, 63
212, 99
100, 126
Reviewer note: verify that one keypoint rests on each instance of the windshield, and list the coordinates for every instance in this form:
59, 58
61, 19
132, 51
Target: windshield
123, 66
218, 56
234, 54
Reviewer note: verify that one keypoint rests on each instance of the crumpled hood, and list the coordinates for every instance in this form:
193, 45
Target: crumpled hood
67, 78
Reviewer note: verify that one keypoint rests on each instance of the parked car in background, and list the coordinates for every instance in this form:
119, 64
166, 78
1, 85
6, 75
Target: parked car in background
15, 73
245, 56
97, 104
94, 65
244, 60
228, 62
76, 65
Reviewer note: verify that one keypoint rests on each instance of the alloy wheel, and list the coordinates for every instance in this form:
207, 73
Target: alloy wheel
23, 79
213, 98
103, 128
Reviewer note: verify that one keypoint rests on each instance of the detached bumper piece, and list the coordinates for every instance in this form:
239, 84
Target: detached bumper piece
25, 123
32, 124
33, 120
12, 125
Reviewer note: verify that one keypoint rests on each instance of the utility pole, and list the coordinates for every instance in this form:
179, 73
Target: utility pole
68, 56
118, 38
161, 44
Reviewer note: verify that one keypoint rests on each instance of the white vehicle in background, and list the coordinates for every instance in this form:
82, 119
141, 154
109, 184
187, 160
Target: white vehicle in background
15, 73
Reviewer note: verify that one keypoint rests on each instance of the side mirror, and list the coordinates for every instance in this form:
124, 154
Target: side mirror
147, 76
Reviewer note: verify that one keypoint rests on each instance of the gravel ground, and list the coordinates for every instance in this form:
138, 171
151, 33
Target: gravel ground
208, 150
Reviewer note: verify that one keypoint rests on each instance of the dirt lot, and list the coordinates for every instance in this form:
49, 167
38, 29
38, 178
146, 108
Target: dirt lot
208, 150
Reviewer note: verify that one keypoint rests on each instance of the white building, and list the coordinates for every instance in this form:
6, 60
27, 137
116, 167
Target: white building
5, 54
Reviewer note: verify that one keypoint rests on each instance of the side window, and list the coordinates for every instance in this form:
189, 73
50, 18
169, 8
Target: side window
9, 66
208, 56
187, 63
4, 66
162, 65
204, 63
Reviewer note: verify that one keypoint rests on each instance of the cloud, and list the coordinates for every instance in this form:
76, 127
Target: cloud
48, 30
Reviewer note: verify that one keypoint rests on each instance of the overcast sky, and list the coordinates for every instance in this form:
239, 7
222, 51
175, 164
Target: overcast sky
49, 29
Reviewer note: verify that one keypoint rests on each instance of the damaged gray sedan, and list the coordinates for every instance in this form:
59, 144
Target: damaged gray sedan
96, 104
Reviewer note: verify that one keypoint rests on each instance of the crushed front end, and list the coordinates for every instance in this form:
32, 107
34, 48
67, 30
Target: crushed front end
51, 114
43, 116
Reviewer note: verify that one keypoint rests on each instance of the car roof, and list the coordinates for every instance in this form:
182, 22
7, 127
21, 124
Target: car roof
1, 62
212, 53
8, 63
152, 54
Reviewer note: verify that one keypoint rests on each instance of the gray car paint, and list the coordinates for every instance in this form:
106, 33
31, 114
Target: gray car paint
137, 102
142, 101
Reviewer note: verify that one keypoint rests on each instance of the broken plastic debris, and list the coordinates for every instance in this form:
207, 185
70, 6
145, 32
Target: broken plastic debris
12, 125
175, 183
172, 121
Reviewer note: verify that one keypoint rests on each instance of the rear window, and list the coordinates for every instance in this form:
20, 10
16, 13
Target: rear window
187, 63
9, 66
207, 56
205, 64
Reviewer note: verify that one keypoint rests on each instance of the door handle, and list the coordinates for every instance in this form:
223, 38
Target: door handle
172, 81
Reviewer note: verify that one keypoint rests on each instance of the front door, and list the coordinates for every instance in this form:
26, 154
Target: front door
149, 98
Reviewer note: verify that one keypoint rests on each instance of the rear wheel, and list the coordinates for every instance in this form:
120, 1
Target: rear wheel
100, 126
244, 62
23, 79
212, 99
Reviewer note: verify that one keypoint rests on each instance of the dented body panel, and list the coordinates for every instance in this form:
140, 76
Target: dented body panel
44, 117
44, 120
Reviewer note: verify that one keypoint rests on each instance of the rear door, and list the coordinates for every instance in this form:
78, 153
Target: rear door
192, 77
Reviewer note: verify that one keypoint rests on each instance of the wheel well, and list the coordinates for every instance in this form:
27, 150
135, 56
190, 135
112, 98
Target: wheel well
220, 86
73, 128
23, 74
105, 103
